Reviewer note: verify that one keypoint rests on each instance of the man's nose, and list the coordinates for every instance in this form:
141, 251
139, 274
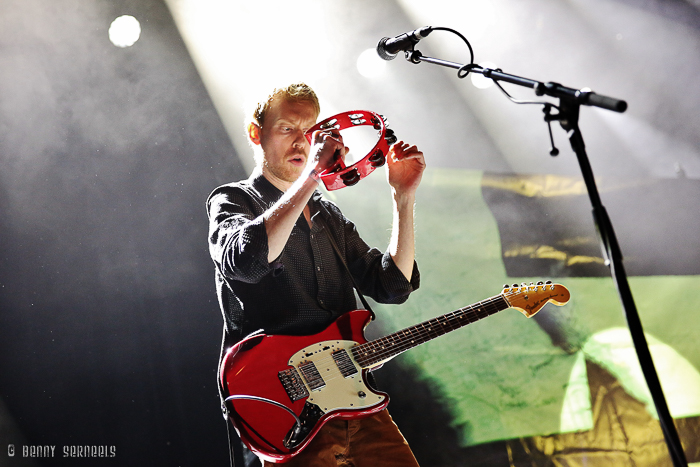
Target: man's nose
299, 139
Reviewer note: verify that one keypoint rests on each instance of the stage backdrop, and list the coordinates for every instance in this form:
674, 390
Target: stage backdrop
512, 378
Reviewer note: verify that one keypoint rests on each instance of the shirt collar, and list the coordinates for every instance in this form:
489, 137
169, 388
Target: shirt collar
267, 189
263, 186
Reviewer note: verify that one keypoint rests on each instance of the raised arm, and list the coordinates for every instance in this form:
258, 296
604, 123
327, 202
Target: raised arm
281, 217
405, 165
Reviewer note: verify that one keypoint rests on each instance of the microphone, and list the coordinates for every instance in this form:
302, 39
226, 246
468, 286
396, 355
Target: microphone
389, 47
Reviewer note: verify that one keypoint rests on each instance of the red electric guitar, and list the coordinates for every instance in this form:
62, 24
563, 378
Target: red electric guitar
282, 389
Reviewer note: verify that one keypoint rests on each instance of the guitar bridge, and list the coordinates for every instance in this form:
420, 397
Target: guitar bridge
292, 384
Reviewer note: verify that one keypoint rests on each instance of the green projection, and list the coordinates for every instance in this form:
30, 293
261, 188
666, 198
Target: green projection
508, 376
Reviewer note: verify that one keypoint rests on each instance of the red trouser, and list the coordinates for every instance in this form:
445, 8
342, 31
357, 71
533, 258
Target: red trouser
367, 442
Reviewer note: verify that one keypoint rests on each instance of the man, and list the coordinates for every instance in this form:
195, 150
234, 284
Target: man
277, 271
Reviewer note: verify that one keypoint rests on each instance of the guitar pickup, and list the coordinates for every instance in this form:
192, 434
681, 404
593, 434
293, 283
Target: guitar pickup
312, 376
345, 365
293, 384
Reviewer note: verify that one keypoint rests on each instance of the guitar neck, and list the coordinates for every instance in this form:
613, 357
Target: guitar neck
374, 352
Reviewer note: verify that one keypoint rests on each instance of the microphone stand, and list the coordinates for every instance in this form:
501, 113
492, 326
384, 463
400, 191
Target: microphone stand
570, 101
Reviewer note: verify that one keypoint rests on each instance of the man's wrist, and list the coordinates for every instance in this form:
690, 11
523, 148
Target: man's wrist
313, 174
407, 196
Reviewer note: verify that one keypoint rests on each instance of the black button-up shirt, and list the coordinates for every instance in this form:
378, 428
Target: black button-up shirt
307, 287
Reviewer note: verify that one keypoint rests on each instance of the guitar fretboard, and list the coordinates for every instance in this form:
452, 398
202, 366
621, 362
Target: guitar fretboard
374, 352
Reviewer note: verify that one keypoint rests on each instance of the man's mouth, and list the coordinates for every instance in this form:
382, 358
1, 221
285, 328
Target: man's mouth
297, 160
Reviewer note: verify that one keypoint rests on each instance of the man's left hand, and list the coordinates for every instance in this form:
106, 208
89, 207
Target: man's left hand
405, 165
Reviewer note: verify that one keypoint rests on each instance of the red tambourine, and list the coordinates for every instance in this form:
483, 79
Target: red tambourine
339, 176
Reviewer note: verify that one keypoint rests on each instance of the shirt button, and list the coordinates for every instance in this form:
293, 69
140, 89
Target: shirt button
318, 268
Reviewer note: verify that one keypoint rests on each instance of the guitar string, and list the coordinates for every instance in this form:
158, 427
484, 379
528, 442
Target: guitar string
473, 312
385, 347
454, 320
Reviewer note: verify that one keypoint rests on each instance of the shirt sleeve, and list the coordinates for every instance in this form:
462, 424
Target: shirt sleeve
375, 272
237, 236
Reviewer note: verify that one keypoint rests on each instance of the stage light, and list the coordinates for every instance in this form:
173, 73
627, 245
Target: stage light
124, 31
243, 51
370, 65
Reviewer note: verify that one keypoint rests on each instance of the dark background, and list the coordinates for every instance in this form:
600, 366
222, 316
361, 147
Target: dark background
108, 314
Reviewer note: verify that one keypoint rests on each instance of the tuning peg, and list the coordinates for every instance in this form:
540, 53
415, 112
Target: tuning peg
548, 282
540, 283
515, 286
506, 286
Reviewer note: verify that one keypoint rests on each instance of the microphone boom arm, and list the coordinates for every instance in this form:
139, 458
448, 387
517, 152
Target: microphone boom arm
550, 89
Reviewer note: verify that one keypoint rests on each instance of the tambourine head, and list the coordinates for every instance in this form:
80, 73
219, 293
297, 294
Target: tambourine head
339, 176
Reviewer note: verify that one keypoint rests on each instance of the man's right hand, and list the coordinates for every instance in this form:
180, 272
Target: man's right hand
326, 149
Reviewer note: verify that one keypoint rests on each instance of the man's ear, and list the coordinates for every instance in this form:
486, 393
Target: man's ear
254, 133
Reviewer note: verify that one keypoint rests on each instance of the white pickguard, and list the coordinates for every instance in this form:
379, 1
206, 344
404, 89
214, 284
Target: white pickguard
339, 392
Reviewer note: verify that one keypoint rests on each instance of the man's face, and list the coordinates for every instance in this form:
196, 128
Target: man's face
285, 149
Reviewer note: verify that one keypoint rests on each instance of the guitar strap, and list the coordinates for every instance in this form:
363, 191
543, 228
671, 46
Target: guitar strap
234, 451
342, 260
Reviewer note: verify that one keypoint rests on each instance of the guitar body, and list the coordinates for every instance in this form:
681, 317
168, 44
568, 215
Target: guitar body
280, 390
315, 377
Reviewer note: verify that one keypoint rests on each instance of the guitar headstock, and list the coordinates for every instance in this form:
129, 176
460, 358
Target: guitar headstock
529, 299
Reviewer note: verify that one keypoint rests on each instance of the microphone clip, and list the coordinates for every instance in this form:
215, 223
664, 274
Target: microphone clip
413, 56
